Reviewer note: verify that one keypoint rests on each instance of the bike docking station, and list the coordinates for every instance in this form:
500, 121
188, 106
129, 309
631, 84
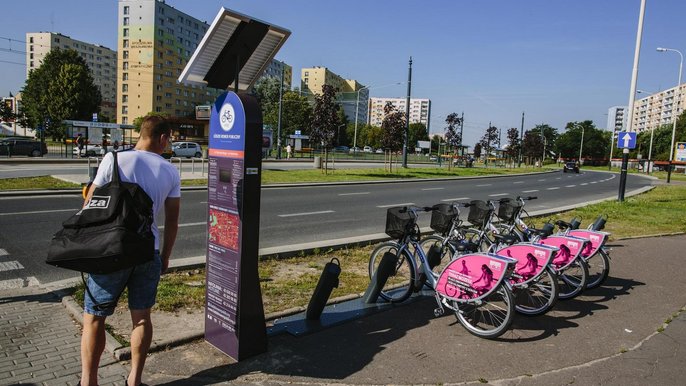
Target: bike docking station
235, 51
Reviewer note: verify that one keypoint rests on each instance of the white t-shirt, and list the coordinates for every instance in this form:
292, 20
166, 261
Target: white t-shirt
157, 176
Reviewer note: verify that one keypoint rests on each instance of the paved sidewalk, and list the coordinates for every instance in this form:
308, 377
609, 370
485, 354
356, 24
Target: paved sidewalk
40, 342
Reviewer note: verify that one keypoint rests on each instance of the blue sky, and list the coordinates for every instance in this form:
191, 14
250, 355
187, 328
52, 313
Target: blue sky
558, 61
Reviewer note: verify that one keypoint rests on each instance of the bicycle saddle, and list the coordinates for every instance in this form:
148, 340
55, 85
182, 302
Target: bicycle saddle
506, 239
465, 246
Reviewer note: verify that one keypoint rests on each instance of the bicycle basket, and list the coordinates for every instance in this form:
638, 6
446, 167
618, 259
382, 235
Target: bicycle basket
442, 217
479, 213
399, 221
508, 209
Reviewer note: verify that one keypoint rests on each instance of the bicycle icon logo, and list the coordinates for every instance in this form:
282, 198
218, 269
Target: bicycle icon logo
227, 117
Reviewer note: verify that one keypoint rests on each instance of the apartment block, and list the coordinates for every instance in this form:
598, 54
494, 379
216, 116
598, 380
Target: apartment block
274, 71
155, 42
617, 118
102, 62
420, 110
352, 95
659, 109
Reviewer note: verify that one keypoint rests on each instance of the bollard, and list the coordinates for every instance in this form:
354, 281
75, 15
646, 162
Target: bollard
327, 282
383, 272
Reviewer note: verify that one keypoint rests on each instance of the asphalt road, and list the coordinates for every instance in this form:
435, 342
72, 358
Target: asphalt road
293, 215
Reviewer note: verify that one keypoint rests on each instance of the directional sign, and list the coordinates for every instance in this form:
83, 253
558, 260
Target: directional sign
626, 140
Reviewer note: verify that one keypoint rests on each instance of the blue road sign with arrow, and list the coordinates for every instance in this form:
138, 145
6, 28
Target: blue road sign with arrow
626, 139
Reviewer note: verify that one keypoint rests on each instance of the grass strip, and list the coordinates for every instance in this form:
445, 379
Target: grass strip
37, 183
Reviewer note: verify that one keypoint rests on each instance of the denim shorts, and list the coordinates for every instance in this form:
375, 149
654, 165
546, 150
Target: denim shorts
142, 286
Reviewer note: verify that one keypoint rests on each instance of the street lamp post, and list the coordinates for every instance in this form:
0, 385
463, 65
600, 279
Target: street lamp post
674, 110
581, 145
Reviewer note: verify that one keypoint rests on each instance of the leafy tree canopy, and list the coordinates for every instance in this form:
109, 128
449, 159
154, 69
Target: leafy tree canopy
452, 135
392, 128
324, 117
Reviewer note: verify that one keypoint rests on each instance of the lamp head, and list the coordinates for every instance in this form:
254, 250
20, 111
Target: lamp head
661, 49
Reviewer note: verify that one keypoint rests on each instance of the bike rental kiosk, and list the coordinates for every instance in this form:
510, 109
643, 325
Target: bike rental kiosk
235, 51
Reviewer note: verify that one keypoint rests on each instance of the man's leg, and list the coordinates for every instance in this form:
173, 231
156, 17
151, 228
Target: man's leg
141, 337
92, 346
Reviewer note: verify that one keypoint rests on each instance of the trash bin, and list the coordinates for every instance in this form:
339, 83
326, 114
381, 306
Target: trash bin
317, 162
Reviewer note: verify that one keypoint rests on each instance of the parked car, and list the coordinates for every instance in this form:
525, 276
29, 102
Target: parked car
344, 149
368, 149
22, 146
88, 151
379, 151
355, 149
571, 166
186, 149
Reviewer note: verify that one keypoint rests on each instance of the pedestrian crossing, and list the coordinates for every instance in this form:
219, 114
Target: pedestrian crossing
13, 268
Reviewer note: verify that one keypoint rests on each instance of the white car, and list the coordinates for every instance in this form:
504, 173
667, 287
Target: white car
186, 149
368, 149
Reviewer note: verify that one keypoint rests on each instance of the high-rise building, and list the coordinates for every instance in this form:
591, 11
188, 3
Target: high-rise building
659, 109
420, 110
274, 71
352, 95
616, 118
102, 62
155, 42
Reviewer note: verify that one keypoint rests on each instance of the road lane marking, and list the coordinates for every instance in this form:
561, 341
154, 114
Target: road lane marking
38, 212
392, 205
553, 188
584, 183
498, 194
455, 199
530, 191
433, 188
518, 182
542, 179
306, 213
485, 185
594, 182
352, 194
570, 186
10, 266
3, 252
188, 224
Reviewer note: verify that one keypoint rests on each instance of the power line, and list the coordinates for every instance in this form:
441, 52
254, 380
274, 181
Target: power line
13, 51
6, 61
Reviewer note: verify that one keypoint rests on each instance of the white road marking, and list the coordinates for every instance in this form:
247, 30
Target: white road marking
554, 188
542, 179
518, 182
584, 184
306, 213
498, 194
570, 186
485, 185
203, 202
455, 199
433, 188
3, 252
10, 266
392, 205
594, 182
188, 224
530, 191
38, 212
352, 194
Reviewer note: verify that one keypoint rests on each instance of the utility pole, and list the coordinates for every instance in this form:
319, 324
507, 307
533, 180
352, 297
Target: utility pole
461, 132
407, 114
278, 135
521, 141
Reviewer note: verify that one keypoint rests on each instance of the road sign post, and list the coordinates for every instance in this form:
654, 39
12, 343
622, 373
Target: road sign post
625, 141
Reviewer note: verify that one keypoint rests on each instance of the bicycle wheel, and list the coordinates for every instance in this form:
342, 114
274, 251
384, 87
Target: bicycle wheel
489, 318
400, 283
598, 269
473, 235
573, 279
540, 296
446, 252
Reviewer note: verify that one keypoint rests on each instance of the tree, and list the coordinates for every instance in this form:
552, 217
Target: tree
477, 150
489, 141
532, 145
6, 113
452, 136
417, 133
139, 120
296, 114
513, 143
324, 120
595, 141
392, 129
267, 93
61, 88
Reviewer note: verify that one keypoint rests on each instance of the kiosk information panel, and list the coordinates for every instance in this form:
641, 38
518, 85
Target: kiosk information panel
234, 317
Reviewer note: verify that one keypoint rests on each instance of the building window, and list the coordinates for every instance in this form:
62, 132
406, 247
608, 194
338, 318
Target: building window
31, 56
124, 98
125, 76
57, 40
125, 109
125, 43
31, 48
124, 87
31, 64
126, 10
126, 21
126, 32
31, 40
125, 66
125, 54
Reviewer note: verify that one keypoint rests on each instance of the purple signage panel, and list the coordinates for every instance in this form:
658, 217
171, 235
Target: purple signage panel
234, 318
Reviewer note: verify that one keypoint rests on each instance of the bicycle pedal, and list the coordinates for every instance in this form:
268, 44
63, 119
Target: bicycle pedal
438, 311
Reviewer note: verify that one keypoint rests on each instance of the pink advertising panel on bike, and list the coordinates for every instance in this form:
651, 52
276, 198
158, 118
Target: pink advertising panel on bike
570, 249
531, 260
596, 241
472, 276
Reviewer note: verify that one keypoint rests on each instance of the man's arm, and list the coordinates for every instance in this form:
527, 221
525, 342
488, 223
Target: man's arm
172, 206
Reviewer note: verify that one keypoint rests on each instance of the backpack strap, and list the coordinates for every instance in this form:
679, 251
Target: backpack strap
115, 169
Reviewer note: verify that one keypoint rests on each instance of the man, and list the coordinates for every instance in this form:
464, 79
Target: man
79, 144
160, 180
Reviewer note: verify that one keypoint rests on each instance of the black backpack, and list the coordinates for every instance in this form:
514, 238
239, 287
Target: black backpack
112, 232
